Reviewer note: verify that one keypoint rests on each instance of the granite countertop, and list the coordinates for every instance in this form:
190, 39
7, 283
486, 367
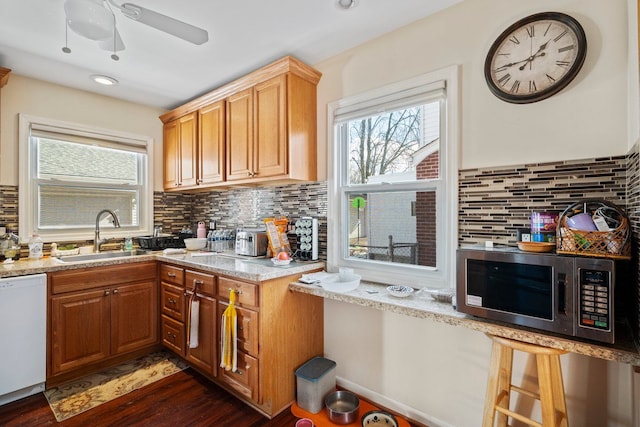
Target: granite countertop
247, 268
421, 305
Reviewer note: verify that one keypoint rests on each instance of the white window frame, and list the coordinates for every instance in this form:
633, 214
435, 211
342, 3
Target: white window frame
27, 191
447, 204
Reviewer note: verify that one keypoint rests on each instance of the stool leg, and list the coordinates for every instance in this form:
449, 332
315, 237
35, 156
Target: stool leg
498, 385
545, 380
504, 384
559, 402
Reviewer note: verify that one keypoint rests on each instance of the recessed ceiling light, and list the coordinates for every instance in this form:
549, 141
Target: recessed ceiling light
104, 80
346, 4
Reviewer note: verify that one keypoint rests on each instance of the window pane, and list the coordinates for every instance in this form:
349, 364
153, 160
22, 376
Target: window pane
394, 226
399, 145
69, 160
62, 208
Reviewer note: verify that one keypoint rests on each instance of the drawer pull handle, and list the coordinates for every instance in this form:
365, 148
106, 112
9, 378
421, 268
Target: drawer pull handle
237, 291
239, 372
172, 301
172, 275
197, 282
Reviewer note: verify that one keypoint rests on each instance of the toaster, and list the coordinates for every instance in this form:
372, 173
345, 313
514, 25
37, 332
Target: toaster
251, 242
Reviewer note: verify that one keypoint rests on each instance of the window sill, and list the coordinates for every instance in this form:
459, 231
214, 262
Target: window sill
375, 296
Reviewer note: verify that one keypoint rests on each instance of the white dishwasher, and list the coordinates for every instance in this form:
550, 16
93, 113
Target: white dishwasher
23, 336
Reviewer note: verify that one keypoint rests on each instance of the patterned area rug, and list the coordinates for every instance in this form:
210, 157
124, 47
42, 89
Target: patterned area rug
88, 392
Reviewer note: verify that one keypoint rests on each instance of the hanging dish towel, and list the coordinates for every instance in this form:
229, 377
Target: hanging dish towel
194, 320
229, 335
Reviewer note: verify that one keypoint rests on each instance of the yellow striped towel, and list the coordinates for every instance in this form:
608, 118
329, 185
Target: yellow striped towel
229, 334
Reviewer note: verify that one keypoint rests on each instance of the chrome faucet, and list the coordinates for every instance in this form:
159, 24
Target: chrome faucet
116, 223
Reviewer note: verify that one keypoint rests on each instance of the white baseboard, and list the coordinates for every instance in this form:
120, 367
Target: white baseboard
394, 405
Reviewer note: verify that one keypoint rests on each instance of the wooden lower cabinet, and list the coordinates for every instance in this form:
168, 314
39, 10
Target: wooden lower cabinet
278, 331
80, 330
99, 314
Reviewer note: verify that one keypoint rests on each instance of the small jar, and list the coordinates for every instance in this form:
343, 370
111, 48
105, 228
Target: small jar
35, 246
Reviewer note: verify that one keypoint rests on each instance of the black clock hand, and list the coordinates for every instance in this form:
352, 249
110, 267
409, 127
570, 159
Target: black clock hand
534, 56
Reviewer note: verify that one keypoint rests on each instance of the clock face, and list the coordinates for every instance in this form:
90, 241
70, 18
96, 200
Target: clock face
535, 58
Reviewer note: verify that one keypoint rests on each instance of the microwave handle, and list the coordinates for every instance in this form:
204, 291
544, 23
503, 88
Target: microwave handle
562, 293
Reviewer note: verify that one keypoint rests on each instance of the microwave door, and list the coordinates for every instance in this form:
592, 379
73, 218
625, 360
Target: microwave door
525, 294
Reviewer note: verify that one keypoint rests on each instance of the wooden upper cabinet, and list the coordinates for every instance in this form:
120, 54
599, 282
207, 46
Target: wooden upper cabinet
240, 135
170, 155
270, 129
180, 155
211, 143
270, 143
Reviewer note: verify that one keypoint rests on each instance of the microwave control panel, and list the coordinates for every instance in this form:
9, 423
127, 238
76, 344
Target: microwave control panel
594, 289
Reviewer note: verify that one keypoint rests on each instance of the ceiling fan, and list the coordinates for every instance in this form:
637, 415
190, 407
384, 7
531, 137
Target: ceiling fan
95, 20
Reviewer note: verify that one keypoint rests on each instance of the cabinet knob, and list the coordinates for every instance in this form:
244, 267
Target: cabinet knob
106, 292
115, 291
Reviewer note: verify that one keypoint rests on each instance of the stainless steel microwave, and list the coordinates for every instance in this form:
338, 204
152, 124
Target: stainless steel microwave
568, 295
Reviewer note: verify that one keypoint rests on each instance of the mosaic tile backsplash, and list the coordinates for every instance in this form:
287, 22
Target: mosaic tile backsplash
495, 202
246, 207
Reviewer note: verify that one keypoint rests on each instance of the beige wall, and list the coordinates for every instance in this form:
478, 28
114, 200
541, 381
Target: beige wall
587, 119
434, 372
38, 98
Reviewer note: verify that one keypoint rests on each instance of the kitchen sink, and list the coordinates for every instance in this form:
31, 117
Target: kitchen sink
104, 255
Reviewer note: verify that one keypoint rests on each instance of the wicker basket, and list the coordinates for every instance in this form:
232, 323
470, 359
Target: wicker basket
615, 243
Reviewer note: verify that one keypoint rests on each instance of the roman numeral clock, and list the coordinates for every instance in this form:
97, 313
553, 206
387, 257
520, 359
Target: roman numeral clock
535, 58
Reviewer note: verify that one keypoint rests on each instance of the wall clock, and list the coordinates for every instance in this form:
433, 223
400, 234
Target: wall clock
535, 58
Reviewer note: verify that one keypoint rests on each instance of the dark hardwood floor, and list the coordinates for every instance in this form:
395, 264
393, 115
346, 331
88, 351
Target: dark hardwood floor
180, 400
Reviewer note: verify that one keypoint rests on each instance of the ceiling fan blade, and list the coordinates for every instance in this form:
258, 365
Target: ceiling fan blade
165, 23
108, 43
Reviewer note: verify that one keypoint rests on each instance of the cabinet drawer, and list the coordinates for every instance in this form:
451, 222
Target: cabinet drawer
172, 299
246, 293
245, 379
99, 277
171, 274
206, 283
247, 328
173, 335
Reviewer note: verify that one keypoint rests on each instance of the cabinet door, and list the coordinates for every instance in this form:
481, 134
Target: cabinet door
204, 356
170, 155
270, 153
240, 135
188, 152
134, 316
80, 332
245, 379
247, 328
211, 142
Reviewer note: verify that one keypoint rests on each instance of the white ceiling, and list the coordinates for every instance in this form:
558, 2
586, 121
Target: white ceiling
160, 70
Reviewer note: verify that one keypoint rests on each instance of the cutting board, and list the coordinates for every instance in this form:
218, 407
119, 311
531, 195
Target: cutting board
322, 420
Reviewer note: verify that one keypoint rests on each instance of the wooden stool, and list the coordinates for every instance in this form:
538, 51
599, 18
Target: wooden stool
551, 388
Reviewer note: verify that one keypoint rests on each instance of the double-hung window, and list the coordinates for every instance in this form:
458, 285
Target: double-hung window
69, 173
393, 181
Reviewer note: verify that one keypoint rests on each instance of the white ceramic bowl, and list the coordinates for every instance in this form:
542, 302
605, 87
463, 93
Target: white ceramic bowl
400, 291
343, 282
280, 262
194, 244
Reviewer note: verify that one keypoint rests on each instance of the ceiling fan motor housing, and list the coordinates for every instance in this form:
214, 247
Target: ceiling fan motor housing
89, 18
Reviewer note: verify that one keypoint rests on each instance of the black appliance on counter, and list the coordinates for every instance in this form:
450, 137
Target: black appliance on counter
569, 295
163, 242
